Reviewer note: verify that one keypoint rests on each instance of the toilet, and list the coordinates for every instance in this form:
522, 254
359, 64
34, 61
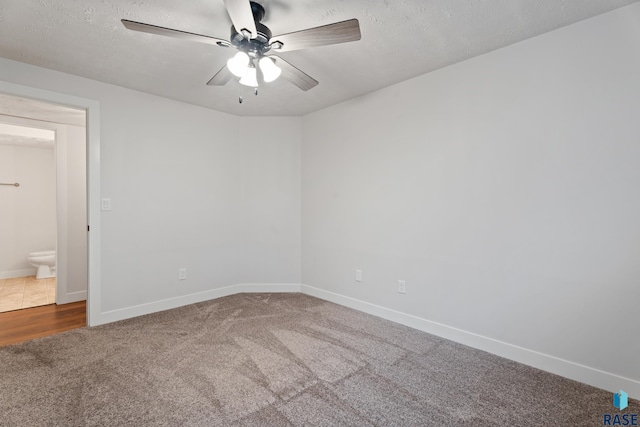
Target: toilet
45, 262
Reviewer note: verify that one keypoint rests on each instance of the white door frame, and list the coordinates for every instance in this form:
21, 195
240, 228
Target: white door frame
92, 108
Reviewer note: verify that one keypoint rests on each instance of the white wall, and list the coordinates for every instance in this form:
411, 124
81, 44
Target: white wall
191, 188
77, 208
71, 152
503, 190
27, 212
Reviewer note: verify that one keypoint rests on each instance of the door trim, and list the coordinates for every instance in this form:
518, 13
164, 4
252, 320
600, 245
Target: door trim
92, 108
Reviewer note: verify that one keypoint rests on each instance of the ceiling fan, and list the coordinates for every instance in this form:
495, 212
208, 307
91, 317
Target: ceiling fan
256, 46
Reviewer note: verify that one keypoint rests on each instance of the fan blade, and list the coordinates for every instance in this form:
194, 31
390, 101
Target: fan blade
294, 75
241, 16
339, 32
221, 78
162, 31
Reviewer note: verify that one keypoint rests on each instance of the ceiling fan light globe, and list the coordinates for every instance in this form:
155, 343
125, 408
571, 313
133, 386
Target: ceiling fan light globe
239, 64
250, 78
270, 71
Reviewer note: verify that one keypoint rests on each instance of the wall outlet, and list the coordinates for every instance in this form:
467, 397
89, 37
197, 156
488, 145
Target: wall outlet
358, 275
402, 286
182, 274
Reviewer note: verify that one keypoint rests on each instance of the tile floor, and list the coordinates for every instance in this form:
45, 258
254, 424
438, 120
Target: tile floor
25, 292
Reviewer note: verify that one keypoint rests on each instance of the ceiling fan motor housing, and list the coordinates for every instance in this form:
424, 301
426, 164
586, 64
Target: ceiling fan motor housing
259, 43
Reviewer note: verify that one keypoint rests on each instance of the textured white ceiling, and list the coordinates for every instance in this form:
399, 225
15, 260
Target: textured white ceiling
400, 39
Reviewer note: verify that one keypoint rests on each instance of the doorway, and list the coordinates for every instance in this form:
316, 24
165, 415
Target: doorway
25, 103
44, 152
28, 215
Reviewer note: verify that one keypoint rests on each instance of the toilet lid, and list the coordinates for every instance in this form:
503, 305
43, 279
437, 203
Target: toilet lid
42, 253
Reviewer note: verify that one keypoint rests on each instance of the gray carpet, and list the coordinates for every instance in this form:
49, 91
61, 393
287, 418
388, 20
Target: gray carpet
278, 360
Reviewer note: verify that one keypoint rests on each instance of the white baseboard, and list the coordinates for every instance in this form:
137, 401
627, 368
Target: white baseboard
17, 273
167, 304
268, 288
545, 362
71, 297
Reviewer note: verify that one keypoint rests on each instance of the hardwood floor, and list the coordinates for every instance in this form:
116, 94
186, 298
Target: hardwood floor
21, 325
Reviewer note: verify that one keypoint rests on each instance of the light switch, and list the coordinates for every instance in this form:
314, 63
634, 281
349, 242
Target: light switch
106, 204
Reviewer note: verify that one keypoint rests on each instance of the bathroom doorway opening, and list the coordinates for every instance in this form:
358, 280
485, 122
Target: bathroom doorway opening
28, 215
75, 121
48, 216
